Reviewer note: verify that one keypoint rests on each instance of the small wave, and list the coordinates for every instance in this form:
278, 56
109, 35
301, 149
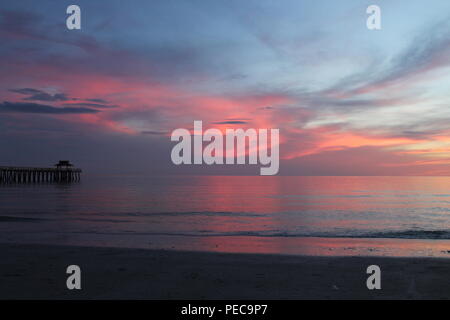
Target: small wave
413, 234
188, 213
407, 234
18, 219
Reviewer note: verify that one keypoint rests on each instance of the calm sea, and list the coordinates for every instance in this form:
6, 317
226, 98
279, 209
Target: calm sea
392, 216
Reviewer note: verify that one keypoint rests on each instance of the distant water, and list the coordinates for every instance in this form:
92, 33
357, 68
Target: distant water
397, 216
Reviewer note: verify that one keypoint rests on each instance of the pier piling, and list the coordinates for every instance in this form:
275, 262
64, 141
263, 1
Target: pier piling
63, 172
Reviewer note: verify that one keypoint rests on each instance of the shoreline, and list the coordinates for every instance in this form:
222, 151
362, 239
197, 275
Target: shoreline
39, 272
297, 246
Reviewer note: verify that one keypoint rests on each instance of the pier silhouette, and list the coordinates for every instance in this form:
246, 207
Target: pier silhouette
63, 171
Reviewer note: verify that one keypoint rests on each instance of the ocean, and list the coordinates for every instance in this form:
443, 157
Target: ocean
337, 216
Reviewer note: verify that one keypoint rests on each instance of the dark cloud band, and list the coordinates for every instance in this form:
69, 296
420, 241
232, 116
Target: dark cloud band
25, 107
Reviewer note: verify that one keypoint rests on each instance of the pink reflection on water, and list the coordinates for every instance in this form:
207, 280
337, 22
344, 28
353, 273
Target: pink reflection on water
285, 215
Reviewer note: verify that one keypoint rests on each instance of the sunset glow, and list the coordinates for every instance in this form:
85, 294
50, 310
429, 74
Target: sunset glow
383, 93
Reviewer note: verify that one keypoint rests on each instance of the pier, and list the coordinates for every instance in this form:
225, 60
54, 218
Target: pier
62, 172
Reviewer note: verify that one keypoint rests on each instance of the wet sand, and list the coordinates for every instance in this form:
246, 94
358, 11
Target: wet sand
39, 272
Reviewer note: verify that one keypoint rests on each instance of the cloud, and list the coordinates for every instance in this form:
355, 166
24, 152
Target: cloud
23, 107
38, 95
154, 133
27, 91
428, 51
25, 25
91, 105
231, 122
96, 100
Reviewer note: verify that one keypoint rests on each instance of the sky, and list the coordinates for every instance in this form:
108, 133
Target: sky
347, 100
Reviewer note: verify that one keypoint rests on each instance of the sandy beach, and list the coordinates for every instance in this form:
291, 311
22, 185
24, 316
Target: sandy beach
39, 272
